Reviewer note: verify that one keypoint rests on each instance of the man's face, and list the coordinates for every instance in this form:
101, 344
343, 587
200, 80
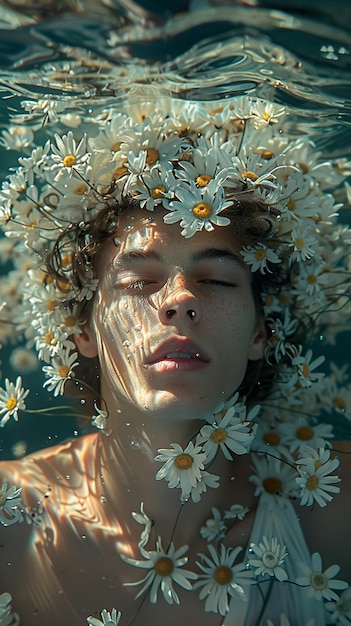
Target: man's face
174, 321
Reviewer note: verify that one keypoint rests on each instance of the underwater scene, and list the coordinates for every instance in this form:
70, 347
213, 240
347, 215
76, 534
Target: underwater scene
175, 231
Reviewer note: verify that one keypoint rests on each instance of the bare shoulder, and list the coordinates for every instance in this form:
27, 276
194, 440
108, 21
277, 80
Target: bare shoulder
37, 472
42, 476
327, 529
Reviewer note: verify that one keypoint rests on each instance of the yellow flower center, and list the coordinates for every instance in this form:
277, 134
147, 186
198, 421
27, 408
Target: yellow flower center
203, 180
69, 160
219, 436
299, 243
116, 146
248, 174
183, 461
312, 279
318, 464
66, 260
120, 171
272, 485
266, 116
312, 483
305, 370
11, 403
80, 189
202, 210
267, 154
215, 111
69, 321
260, 254
48, 337
305, 433
270, 560
304, 167
164, 566
152, 155
269, 300
51, 305
223, 575
63, 371
318, 580
158, 191
339, 403
271, 438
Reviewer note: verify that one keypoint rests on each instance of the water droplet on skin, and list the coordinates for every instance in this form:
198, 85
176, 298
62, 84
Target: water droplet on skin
232, 478
84, 537
126, 343
82, 401
103, 499
68, 477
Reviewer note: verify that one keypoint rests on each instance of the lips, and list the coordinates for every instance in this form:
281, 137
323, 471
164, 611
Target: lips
178, 350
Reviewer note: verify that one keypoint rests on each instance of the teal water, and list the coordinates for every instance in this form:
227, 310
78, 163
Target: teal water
297, 54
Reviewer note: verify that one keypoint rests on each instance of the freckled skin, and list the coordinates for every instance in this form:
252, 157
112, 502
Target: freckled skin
128, 324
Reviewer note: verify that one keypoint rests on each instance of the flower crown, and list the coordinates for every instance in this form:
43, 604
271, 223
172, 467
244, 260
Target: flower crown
195, 160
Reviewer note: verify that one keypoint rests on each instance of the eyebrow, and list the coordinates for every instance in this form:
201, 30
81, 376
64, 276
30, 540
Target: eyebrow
202, 255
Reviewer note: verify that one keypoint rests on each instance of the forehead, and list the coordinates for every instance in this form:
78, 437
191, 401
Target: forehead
140, 231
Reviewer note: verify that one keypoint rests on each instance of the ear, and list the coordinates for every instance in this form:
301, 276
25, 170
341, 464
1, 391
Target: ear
86, 342
259, 339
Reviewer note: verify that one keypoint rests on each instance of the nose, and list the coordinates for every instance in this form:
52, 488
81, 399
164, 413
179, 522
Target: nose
180, 305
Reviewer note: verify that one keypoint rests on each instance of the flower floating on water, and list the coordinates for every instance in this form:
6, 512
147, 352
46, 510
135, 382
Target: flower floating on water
60, 372
270, 559
12, 400
164, 570
99, 420
221, 579
320, 584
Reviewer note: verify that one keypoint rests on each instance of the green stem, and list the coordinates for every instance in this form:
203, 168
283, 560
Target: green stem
175, 526
137, 611
265, 602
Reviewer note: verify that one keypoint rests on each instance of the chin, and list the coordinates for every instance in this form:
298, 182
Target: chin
165, 405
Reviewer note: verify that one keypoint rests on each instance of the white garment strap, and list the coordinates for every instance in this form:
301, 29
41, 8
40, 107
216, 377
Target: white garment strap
278, 519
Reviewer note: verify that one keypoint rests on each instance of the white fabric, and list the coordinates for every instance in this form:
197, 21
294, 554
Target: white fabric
279, 519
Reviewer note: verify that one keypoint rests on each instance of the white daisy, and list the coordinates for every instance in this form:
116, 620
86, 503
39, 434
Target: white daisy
182, 468
60, 371
340, 610
12, 400
108, 619
271, 557
320, 584
10, 501
258, 257
67, 155
214, 528
305, 368
221, 579
302, 432
164, 569
314, 481
206, 480
230, 435
273, 479
197, 209
236, 511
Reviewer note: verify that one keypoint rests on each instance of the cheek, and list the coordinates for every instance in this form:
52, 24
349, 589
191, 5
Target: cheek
124, 325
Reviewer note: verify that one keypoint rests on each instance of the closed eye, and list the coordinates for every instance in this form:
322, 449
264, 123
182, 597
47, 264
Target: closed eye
214, 281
